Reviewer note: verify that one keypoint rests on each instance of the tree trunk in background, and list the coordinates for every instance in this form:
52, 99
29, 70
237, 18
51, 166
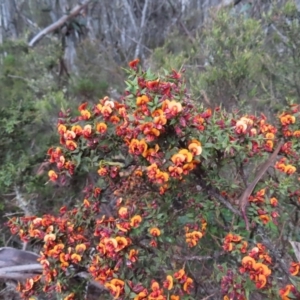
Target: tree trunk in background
124, 28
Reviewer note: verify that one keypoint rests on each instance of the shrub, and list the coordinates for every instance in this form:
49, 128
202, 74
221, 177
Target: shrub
162, 218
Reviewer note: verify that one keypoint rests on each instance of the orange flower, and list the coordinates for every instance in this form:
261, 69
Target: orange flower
244, 247
188, 155
240, 127
71, 145
178, 275
69, 135
261, 268
294, 268
70, 297
260, 281
142, 100
141, 295
109, 103
152, 84
133, 255
154, 231
171, 107
269, 145
87, 131
161, 177
122, 243
132, 64
175, 171
61, 129
85, 114
135, 221
192, 238
77, 129
296, 133
289, 169
28, 285
114, 119
49, 237
188, 284
123, 212
195, 147
248, 262
287, 119
233, 238
138, 147
106, 111
228, 247
174, 297
80, 248
110, 244
286, 291
247, 121
264, 218
115, 286
270, 136
152, 171
76, 258
63, 260
157, 113
103, 171
178, 159
52, 175
82, 106
274, 201
160, 121
168, 283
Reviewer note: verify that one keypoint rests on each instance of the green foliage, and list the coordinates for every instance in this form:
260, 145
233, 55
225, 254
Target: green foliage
237, 60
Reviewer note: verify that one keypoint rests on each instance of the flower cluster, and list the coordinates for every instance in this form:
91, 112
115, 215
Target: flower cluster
234, 242
285, 168
256, 264
252, 127
194, 232
265, 209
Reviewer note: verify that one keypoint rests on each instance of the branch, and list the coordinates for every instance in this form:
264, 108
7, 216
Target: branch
131, 16
94, 283
244, 199
17, 276
21, 202
142, 25
28, 267
73, 13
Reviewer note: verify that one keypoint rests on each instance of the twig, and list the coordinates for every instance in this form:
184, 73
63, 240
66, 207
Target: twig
17, 77
13, 214
198, 258
283, 38
73, 13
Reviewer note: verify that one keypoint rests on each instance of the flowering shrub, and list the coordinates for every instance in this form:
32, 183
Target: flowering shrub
160, 216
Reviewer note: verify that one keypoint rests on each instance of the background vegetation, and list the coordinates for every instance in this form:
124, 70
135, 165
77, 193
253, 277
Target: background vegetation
243, 57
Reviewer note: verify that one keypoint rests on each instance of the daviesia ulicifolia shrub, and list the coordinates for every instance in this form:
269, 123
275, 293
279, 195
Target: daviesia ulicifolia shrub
164, 221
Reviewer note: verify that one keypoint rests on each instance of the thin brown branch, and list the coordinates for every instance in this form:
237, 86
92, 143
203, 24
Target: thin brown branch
73, 13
